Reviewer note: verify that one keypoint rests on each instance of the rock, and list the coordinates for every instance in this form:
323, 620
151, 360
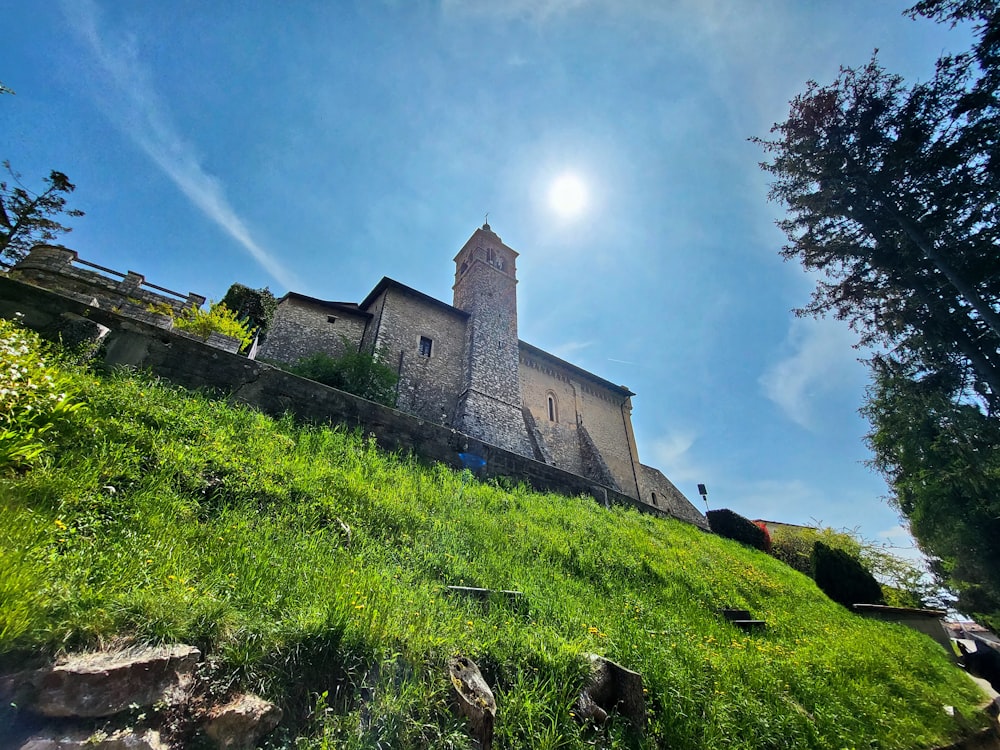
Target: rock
612, 687
475, 699
123, 739
241, 723
106, 683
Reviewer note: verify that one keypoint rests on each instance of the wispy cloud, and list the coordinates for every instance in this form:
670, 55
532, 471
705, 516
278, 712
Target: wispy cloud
671, 454
134, 107
569, 348
821, 360
535, 10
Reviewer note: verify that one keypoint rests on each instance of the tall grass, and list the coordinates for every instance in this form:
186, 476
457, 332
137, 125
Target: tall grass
313, 568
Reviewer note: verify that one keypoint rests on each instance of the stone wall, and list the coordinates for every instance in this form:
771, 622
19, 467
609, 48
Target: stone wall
193, 364
302, 326
660, 492
559, 433
603, 409
428, 383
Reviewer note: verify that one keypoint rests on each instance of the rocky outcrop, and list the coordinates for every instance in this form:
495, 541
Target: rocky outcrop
120, 700
82, 739
241, 723
103, 684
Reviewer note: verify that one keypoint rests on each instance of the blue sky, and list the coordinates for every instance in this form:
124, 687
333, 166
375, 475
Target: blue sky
317, 146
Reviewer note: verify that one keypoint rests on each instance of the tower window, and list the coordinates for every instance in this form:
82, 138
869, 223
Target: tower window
553, 411
425, 346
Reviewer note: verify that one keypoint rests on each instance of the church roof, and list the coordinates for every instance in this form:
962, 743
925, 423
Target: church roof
387, 283
346, 307
578, 371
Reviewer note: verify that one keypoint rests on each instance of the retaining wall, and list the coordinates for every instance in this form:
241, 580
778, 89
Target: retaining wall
194, 364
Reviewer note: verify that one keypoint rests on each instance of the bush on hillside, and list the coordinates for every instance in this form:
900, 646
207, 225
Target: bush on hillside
904, 583
217, 319
732, 525
843, 578
35, 397
353, 372
767, 535
255, 306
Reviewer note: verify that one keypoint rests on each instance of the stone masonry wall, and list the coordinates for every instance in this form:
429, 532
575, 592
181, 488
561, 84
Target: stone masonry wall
486, 288
301, 327
193, 364
559, 435
428, 385
577, 401
668, 497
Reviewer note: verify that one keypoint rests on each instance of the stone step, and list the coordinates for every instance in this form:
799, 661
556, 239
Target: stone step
750, 626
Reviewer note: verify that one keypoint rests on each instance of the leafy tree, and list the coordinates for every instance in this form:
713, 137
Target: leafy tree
892, 195
256, 306
354, 372
217, 319
26, 217
942, 458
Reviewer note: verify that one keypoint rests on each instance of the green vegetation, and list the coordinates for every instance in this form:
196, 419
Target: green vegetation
903, 583
255, 306
732, 525
311, 567
218, 319
354, 372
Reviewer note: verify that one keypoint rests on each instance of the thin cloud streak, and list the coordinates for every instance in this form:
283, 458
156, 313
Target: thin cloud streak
139, 113
820, 364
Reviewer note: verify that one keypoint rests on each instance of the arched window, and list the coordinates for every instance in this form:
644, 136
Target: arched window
553, 410
654, 498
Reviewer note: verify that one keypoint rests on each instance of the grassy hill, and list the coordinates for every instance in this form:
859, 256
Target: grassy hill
311, 567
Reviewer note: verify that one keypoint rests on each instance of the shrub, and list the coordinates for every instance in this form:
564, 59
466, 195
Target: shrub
354, 372
218, 319
767, 535
255, 306
843, 578
732, 525
35, 397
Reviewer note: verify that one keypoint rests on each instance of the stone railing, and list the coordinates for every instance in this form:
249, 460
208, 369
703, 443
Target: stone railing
129, 294
60, 269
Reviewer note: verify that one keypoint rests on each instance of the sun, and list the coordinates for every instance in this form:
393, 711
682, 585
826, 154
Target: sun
568, 196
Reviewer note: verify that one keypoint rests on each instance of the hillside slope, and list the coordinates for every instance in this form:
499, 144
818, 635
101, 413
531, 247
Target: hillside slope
312, 567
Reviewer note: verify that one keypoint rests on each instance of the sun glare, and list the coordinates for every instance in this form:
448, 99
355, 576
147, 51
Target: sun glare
568, 196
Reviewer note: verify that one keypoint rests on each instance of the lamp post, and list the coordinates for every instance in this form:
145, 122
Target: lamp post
704, 495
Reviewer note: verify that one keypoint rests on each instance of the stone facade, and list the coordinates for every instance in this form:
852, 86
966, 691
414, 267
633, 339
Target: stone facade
307, 326
462, 366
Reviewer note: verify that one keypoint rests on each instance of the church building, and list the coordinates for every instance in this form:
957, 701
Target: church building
463, 365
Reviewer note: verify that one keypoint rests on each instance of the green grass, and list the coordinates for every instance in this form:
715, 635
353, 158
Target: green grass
161, 516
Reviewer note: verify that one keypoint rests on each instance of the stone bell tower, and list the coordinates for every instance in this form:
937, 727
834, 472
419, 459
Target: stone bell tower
489, 406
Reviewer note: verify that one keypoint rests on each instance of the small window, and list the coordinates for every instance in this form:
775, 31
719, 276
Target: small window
654, 498
425, 346
331, 318
553, 413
